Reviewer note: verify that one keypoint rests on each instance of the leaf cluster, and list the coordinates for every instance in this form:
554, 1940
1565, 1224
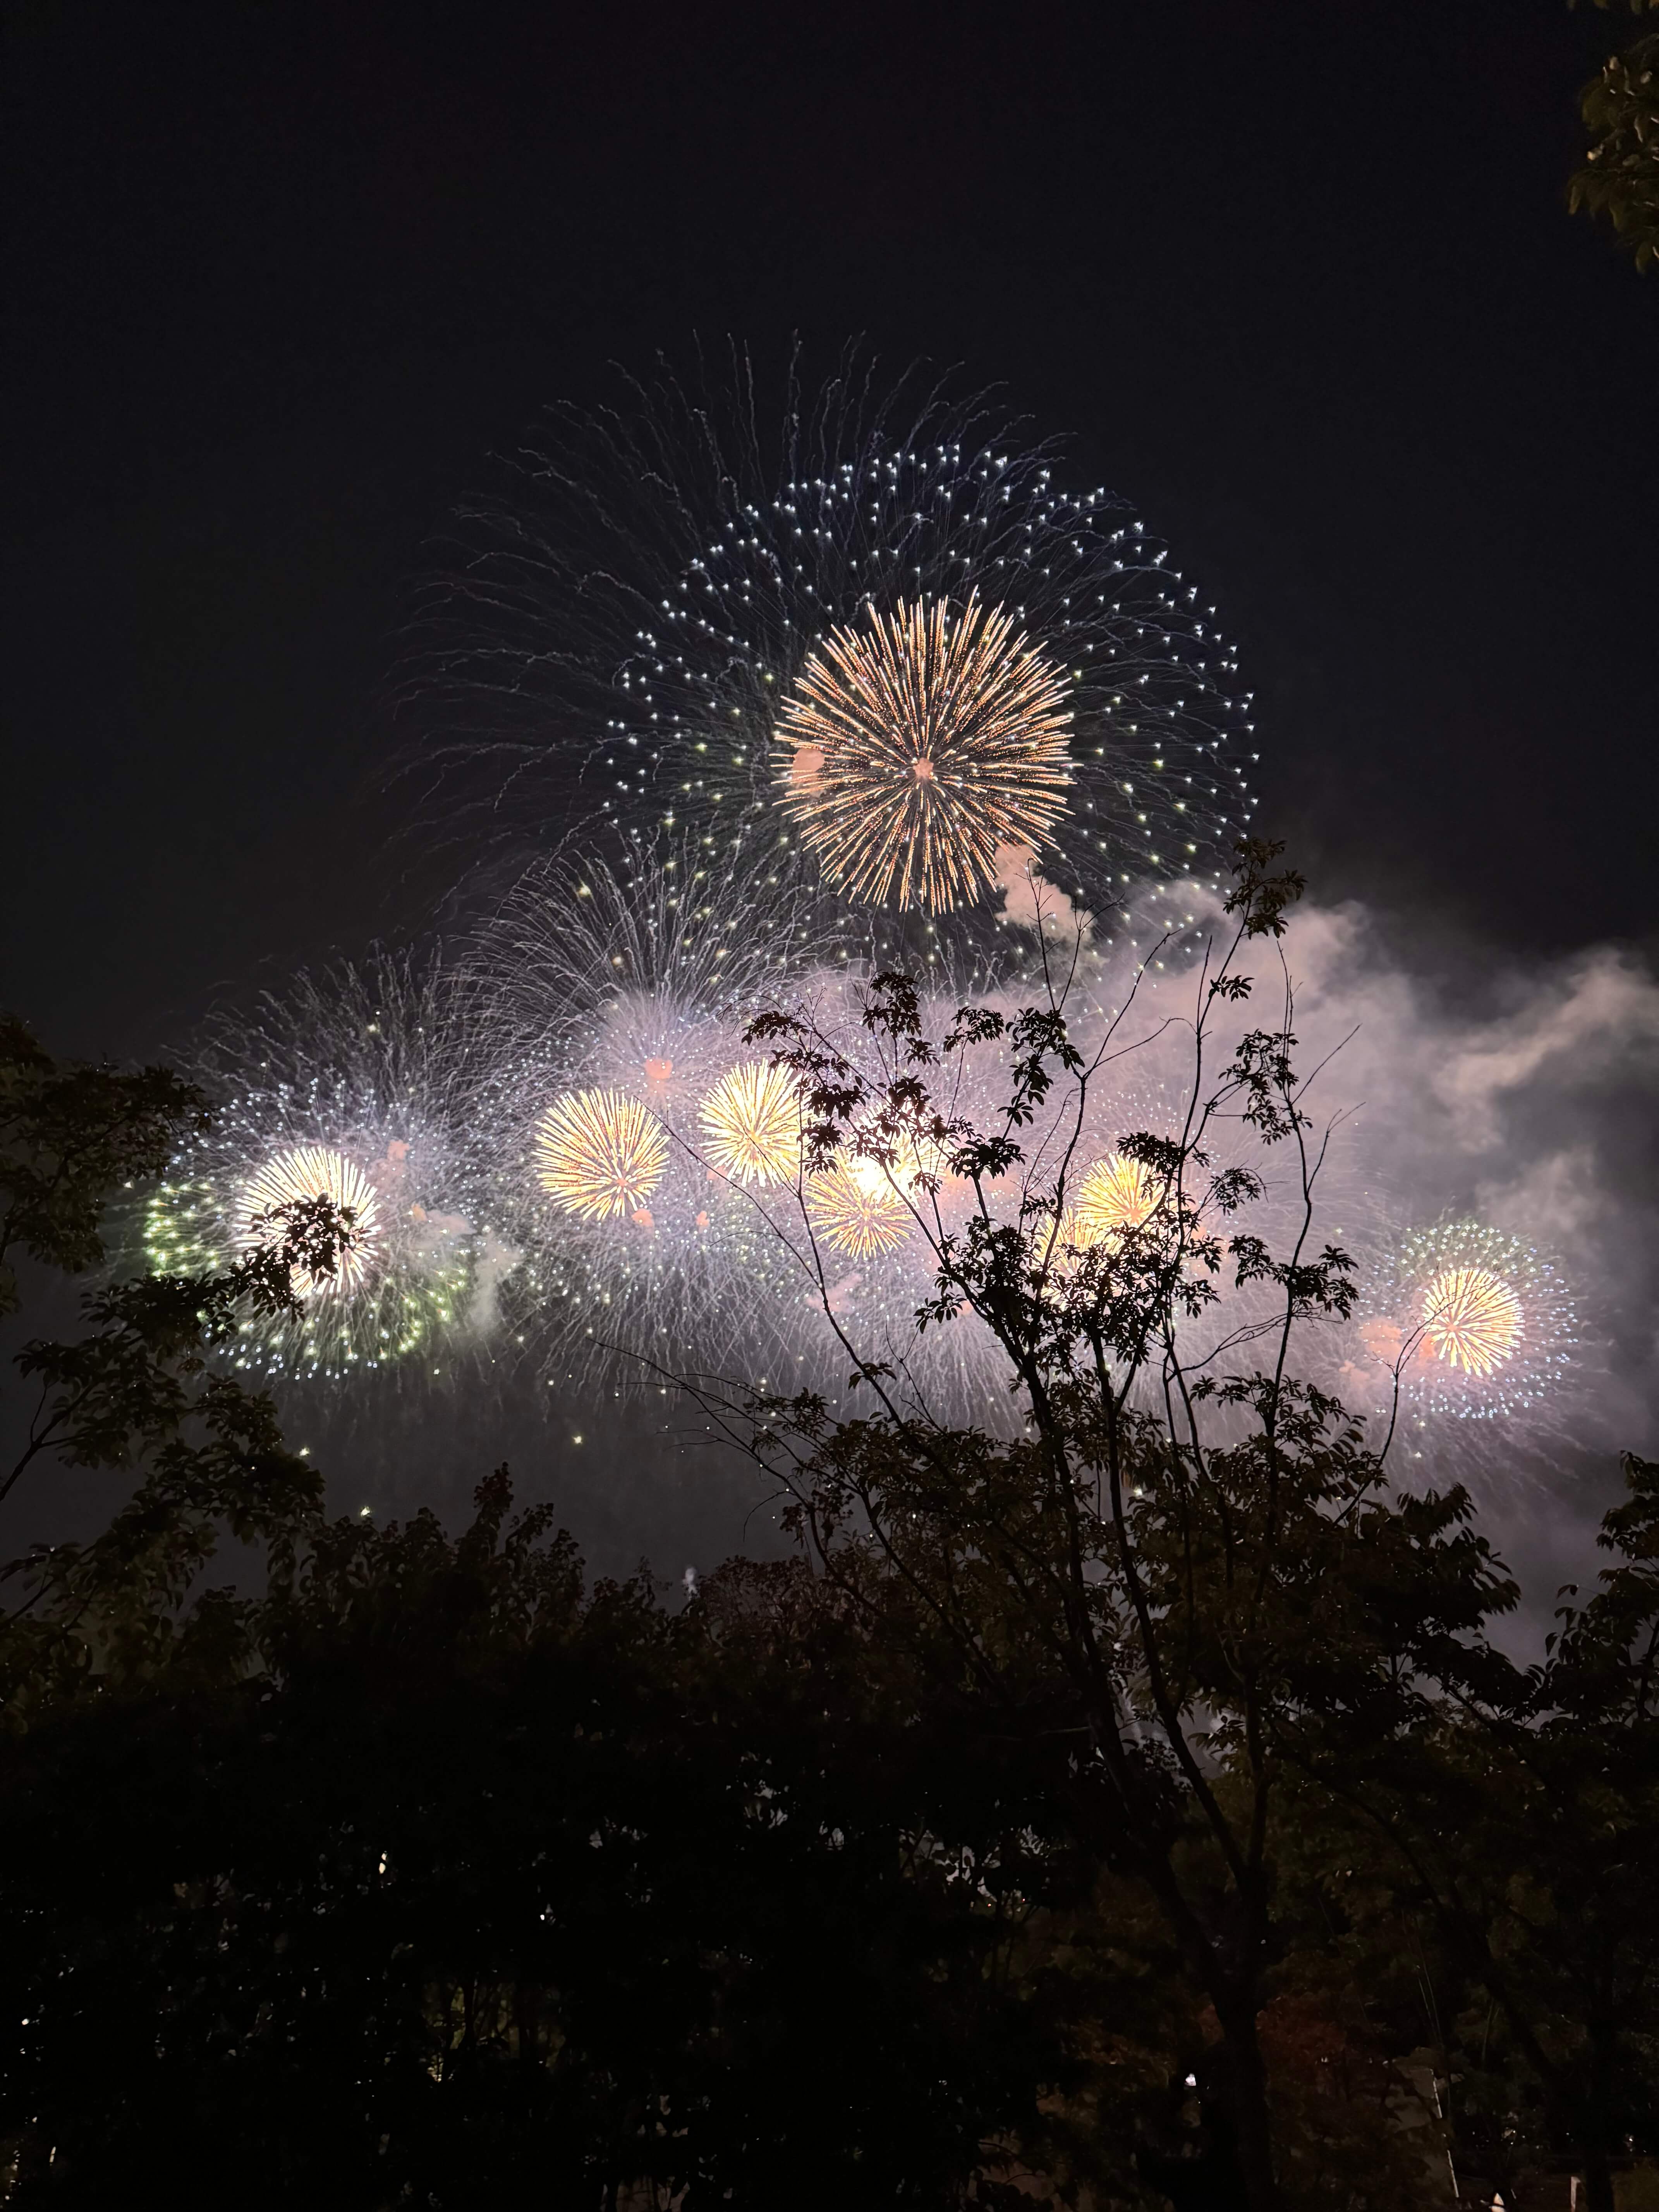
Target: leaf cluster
69, 1138
1619, 177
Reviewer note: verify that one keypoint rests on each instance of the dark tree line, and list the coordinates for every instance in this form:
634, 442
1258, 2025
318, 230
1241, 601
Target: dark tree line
1131, 1810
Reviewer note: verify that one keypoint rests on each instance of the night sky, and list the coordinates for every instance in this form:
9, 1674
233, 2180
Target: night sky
1297, 279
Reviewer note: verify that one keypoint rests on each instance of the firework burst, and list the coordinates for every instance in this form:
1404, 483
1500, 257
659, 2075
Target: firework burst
924, 755
600, 1154
314, 1171
751, 1124
1477, 1322
1115, 1194
638, 623
352, 1084
1472, 1319
857, 1212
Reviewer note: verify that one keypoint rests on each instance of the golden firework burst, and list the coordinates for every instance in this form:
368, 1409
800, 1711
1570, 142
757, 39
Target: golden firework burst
920, 746
1471, 1320
313, 1172
751, 1124
600, 1153
855, 1209
1115, 1195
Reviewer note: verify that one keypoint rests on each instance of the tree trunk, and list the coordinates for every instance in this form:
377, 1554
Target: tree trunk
1594, 2131
1598, 2182
1246, 2093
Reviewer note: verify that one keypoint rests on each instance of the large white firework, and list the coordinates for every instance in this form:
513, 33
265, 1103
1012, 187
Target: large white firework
883, 623
350, 1084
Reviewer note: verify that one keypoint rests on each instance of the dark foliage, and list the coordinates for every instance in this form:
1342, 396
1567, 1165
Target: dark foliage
486, 1888
1131, 1811
1619, 176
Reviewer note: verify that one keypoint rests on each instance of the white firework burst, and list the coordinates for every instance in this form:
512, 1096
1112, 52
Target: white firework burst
350, 1084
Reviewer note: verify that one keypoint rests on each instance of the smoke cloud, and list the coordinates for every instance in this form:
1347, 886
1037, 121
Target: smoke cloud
1525, 1097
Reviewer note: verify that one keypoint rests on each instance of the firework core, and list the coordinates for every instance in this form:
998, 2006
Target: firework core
1471, 1320
601, 1154
919, 744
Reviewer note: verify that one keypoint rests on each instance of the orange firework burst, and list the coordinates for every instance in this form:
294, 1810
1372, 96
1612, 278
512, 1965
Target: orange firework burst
857, 1210
1115, 1195
920, 747
313, 1172
751, 1124
1471, 1320
600, 1153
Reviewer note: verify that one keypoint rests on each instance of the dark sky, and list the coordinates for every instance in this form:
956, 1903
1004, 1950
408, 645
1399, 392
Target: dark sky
1297, 275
